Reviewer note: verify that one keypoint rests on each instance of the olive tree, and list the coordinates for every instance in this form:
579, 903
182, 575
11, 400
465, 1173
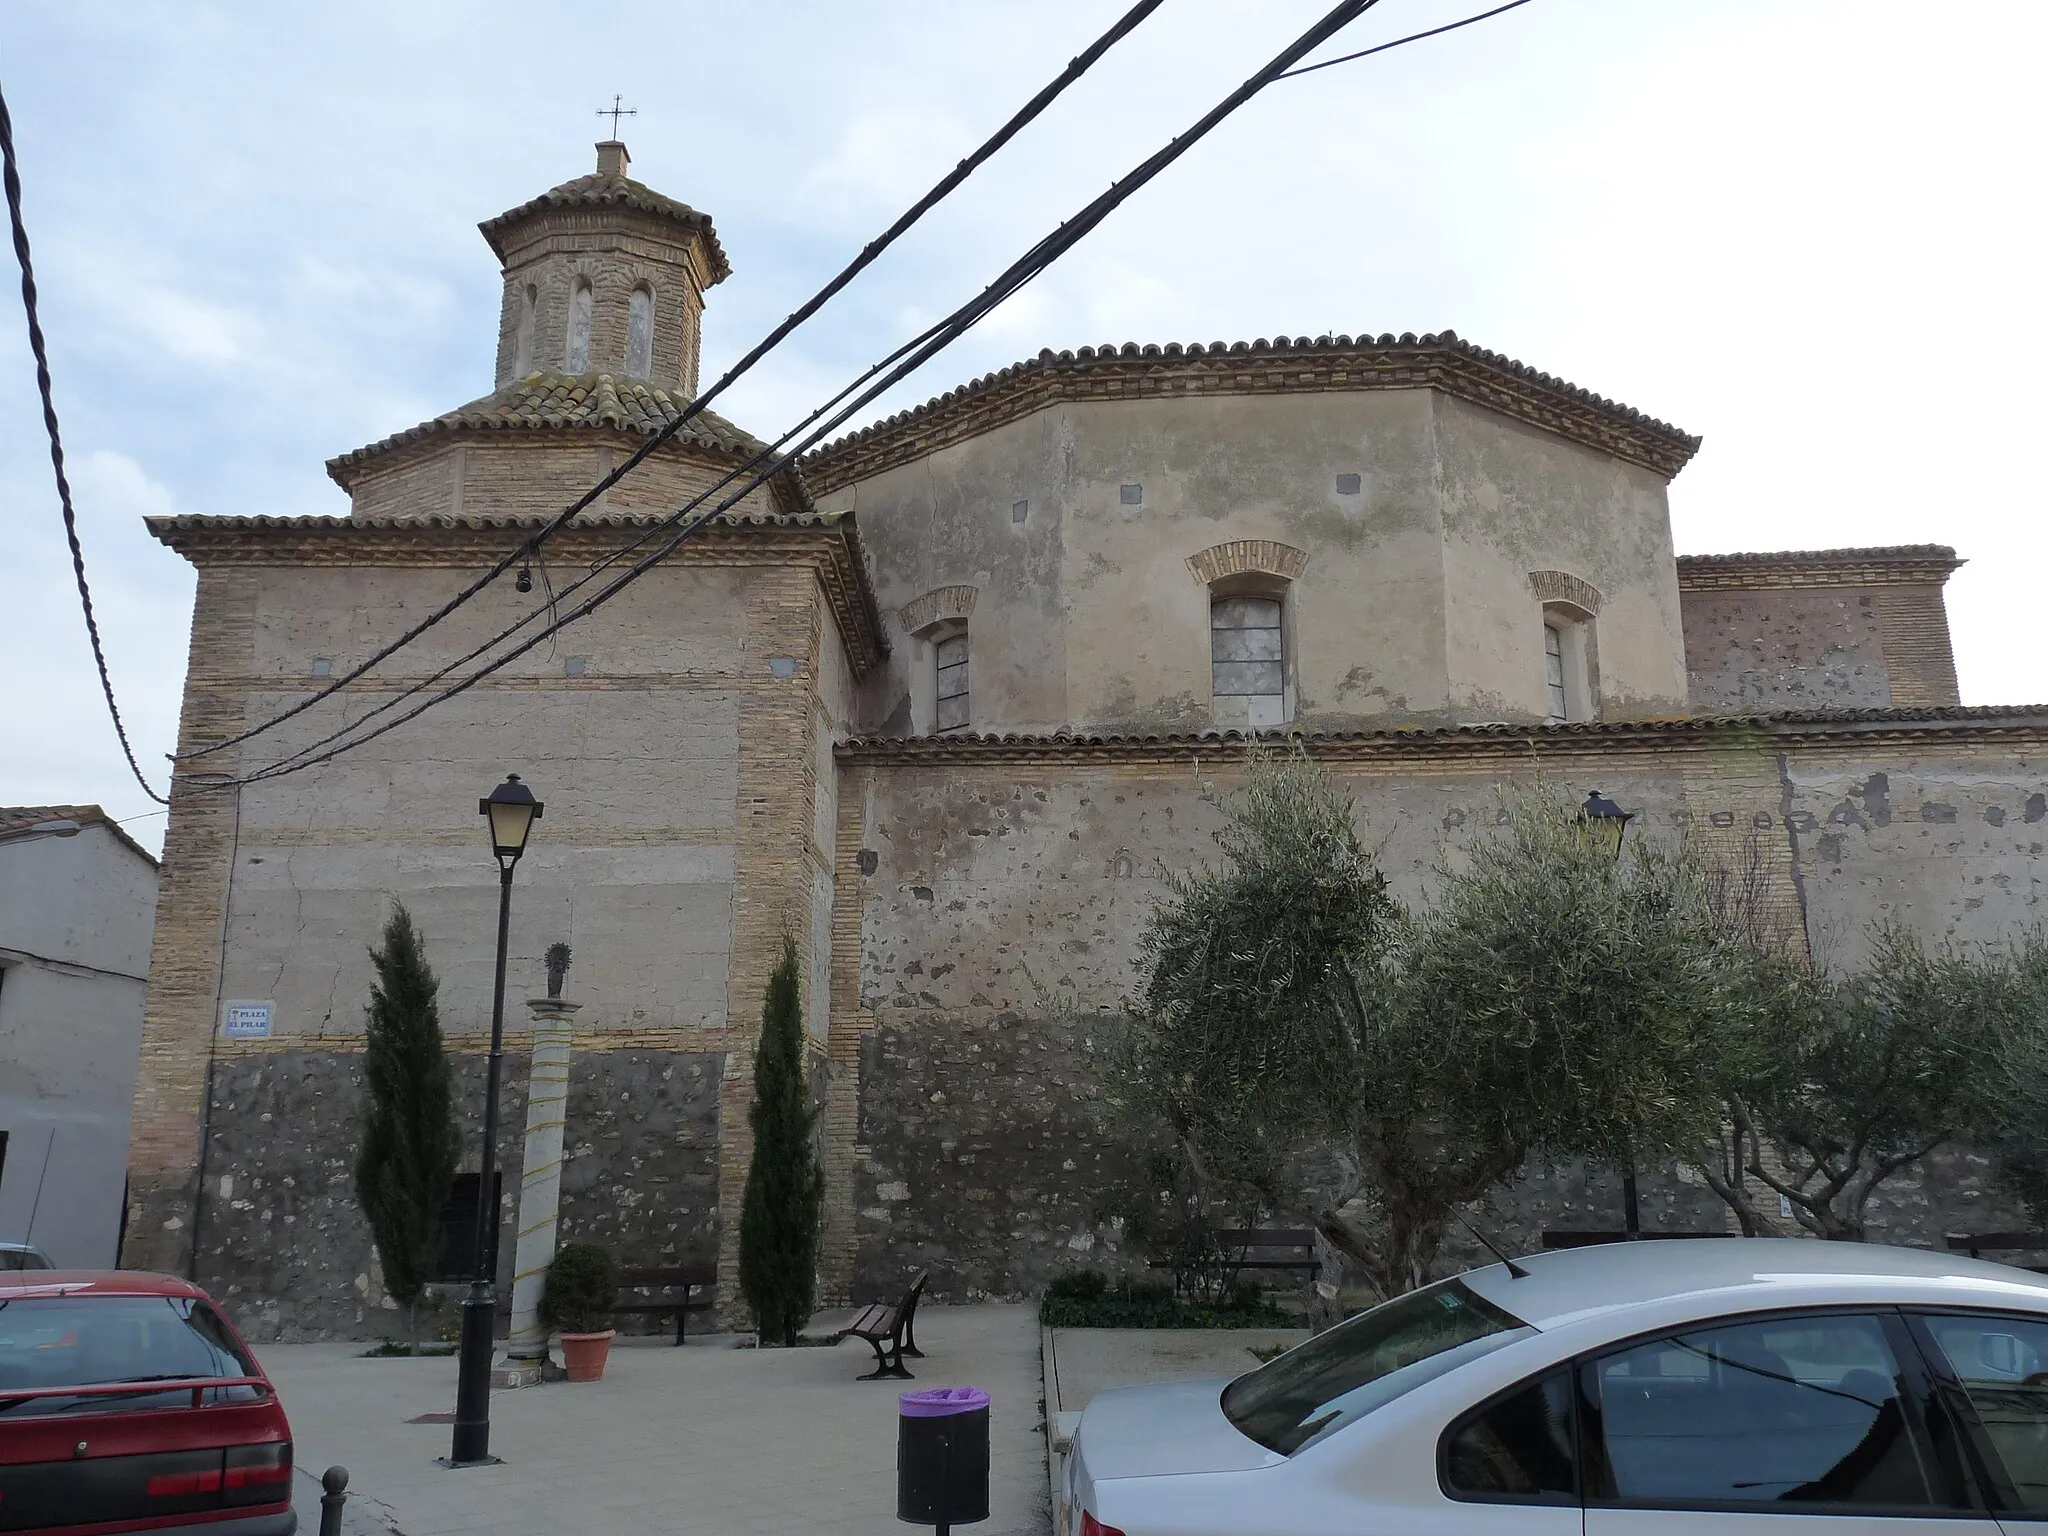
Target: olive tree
1550, 998
2015, 1111
1894, 1061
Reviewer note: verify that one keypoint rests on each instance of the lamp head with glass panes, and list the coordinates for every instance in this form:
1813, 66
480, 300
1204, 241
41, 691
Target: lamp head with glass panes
512, 811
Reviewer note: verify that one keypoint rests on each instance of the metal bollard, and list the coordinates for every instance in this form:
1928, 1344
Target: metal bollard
335, 1481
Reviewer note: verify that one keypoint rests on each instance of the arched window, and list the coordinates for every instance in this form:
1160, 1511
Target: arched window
576, 355
640, 334
1571, 652
1247, 660
950, 656
1569, 665
522, 351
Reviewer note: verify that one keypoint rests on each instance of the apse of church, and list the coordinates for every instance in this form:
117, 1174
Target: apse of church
945, 706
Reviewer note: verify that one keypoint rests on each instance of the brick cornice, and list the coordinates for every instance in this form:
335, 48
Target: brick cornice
1892, 565
828, 542
2020, 724
1443, 362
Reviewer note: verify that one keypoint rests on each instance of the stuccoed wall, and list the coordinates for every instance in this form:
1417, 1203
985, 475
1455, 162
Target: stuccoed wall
1414, 603
75, 917
284, 1245
1949, 844
1516, 499
995, 884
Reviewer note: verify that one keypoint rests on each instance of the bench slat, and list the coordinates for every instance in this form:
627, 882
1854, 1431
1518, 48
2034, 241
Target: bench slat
1268, 1237
1997, 1241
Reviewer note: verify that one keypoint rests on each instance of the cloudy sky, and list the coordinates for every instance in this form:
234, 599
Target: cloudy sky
1805, 229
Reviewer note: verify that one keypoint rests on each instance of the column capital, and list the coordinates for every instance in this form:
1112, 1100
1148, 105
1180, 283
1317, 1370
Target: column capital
552, 1010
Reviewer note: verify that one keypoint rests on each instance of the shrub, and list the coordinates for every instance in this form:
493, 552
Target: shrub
1078, 1285
1088, 1299
581, 1286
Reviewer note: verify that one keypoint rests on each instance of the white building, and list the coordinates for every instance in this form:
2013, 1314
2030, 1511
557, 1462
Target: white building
77, 907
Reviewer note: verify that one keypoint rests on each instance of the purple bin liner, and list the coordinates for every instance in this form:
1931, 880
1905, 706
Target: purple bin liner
938, 1402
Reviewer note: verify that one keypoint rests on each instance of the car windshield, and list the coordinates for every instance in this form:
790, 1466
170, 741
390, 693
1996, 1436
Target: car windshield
1368, 1360
22, 1257
49, 1343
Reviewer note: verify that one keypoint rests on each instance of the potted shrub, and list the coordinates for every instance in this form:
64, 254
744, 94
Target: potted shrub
577, 1302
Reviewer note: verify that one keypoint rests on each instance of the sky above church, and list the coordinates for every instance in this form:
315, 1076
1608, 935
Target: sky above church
1804, 229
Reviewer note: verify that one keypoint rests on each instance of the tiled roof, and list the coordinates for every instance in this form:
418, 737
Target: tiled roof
1322, 362
1786, 722
15, 817
600, 191
563, 402
193, 522
1884, 565
801, 532
1901, 554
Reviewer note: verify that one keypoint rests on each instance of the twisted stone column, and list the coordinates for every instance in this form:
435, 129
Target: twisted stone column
540, 1183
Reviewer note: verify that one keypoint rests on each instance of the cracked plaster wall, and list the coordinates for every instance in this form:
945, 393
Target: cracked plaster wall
1414, 605
982, 1150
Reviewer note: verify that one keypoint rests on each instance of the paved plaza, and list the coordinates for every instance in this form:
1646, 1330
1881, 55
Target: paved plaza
704, 1439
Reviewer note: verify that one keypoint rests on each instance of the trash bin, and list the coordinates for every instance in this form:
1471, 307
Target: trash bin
942, 1457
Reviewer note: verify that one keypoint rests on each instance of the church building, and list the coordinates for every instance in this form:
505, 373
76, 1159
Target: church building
946, 704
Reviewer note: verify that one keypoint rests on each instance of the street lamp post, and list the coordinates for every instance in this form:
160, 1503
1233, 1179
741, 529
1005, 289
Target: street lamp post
1602, 814
511, 811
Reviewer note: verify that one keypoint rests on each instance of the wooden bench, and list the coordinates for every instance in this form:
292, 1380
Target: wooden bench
889, 1332
1977, 1244
1277, 1248
688, 1278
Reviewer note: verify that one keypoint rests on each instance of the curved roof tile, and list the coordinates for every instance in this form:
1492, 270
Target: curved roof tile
598, 190
1666, 443
969, 742
562, 402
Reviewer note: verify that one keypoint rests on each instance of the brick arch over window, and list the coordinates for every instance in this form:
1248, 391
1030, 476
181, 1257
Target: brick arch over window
1240, 557
937, 605
1563, 587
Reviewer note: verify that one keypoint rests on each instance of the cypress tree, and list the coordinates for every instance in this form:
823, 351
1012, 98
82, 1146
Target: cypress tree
405, 1162
785, 1197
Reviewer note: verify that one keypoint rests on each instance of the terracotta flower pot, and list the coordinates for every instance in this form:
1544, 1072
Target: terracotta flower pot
584, 1354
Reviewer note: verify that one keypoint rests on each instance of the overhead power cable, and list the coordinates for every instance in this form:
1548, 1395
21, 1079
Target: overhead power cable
12, 176
1021, 272
1413, 37
1078, 66
422, 684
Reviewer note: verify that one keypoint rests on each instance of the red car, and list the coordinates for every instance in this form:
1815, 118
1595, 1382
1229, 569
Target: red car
128, 1403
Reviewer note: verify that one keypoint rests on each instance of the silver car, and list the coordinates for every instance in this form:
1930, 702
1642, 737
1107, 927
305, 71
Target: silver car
23, 1256
1737, 1387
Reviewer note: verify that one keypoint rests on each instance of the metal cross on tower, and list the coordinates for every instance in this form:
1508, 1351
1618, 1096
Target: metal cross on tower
615, 112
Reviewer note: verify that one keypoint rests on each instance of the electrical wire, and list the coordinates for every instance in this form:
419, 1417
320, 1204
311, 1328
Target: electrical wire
1078, 66
10, 173
650, 533
1021, 272
1413, 37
